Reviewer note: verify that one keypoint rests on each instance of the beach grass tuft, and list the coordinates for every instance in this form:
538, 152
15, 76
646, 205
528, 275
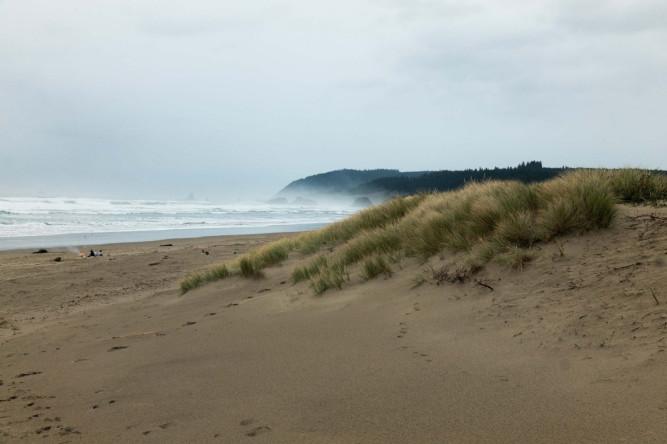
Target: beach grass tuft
375, 266
312, 269
191, 282
249, 267
333, 276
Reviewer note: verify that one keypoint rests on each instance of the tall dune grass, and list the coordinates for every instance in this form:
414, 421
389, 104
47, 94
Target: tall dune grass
367, 219
489, 220
638, 186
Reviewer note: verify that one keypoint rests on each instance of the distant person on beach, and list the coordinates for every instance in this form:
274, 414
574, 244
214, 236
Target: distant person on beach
93, 254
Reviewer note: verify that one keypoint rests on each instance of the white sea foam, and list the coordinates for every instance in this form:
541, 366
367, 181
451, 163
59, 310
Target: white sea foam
22, 217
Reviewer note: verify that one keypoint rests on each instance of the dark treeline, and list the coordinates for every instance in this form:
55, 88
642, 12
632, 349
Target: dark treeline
445, 180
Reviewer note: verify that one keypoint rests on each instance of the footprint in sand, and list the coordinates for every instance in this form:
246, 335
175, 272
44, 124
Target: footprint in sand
255, 431
416, 352
43, 429
258, 431
64, 431
403, 331
161, 426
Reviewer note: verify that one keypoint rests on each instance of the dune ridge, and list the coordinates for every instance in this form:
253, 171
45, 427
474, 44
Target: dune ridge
489, 220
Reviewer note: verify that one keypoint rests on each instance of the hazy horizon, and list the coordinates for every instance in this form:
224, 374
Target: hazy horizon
234, 100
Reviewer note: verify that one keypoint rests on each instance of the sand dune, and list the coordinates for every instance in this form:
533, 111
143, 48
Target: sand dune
569, 349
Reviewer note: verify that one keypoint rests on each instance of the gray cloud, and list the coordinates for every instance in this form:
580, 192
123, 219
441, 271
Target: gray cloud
612, 17
224, 98
181, 28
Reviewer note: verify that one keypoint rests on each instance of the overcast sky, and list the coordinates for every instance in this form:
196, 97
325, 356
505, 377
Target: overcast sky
227, 99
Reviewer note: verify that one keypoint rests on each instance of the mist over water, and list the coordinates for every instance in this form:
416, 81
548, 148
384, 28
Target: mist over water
34, 222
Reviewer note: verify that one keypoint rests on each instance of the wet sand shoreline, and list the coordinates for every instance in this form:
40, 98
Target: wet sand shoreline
73, 240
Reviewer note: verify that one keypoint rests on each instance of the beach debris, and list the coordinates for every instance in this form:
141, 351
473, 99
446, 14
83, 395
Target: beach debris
58, 259
118, 347
154, 263
189, 323
205, 252
167, 245
654, 297
459, 274
137, 334
23, 375
264, 290
40, 251
479, 283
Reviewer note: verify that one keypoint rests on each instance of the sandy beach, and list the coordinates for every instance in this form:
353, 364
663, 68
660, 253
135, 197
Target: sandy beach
569, 349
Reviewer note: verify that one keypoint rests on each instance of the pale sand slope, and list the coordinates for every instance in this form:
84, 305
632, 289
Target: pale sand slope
571, 349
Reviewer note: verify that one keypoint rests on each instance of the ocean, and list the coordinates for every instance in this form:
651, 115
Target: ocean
63, 222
